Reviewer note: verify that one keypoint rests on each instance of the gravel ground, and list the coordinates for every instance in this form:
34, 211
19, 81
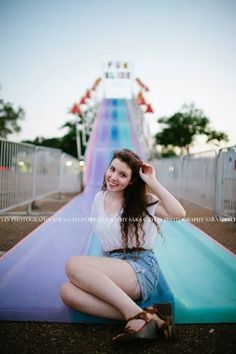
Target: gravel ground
38, 338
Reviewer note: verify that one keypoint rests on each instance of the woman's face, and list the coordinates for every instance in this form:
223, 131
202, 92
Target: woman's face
118, 176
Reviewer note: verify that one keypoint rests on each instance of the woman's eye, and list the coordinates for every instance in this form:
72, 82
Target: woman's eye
112, 168
123, 175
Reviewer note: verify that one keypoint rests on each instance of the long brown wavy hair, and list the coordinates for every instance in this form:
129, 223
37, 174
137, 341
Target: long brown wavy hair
136, 201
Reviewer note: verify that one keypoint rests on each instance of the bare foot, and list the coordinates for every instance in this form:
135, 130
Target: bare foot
159, 322
137, 324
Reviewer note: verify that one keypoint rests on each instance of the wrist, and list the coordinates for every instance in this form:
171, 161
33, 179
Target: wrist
152, 182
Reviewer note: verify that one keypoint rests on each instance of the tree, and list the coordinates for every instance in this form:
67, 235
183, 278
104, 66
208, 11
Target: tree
66, 143
9, 119
215, 137
181, 129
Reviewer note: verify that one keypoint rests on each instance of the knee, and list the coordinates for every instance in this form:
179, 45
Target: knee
65, 293
70, 266
73, 265
72, 297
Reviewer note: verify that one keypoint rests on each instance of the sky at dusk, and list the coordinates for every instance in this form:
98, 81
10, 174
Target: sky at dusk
51, 51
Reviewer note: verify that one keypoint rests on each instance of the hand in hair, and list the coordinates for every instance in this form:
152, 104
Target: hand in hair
147, 172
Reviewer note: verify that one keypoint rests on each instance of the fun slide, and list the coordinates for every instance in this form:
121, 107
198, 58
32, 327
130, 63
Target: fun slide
197, 274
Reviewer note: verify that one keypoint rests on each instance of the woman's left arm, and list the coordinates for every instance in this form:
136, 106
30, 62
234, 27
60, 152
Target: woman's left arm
170, 207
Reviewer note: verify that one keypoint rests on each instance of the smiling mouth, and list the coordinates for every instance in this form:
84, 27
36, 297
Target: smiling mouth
112, 184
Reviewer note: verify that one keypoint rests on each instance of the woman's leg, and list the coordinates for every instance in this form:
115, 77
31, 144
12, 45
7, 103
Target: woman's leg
80, 300
112, 281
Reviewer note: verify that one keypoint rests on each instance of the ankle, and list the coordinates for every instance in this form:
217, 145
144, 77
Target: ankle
144, 316
132, 314
158, 320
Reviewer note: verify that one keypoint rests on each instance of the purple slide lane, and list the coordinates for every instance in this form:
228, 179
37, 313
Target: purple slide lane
32, 272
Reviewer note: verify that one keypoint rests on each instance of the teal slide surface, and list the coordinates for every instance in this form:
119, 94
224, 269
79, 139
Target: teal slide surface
200, 272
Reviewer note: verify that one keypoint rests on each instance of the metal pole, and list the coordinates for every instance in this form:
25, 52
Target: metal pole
61, 175
34, 176
78, 140
83, 131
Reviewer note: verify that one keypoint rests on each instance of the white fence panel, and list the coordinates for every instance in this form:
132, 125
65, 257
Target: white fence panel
207, 179
29, 172
16, 173
47, 171
198, 179
71, 174
226, 182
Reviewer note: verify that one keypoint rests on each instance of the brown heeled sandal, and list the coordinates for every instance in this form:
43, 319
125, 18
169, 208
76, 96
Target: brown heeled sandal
147, 331
164, 312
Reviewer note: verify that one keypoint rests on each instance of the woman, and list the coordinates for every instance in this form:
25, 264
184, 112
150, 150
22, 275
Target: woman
123, 215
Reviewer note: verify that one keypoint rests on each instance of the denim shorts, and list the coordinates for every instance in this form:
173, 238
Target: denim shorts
146, 267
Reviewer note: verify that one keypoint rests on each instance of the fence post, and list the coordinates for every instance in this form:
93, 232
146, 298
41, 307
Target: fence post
78, 140
61, 176
216, 196
181, 172
34, 169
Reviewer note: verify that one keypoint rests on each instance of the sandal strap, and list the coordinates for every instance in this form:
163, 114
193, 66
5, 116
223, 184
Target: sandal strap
153, 310
164, 326
140, 316
156, 310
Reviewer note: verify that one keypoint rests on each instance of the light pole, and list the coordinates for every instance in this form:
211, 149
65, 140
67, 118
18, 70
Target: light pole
79, 128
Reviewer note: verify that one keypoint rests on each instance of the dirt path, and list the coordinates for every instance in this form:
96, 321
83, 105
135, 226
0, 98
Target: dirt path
221, 231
